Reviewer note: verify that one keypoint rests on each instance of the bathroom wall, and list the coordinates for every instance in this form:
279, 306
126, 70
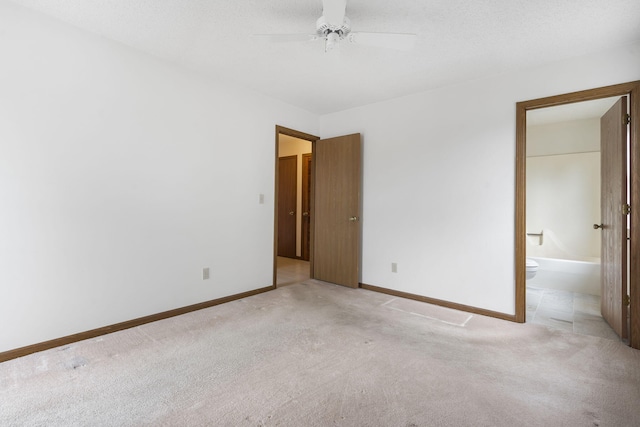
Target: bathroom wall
563, 189
290, 146
563, 203
565, 137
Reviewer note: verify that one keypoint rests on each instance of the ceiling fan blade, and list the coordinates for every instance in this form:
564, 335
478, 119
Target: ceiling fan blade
399, 41
334, 11
286, 38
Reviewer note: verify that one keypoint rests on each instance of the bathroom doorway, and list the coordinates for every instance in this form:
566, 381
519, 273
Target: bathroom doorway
563, 184
632, 299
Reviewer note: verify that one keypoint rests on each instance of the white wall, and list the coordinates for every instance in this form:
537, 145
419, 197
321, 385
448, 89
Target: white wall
290, 146
118, 182
121, 177
563, 189
438, 179
563, 202
572, 136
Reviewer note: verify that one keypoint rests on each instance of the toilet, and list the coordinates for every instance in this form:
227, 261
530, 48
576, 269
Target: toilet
532, 268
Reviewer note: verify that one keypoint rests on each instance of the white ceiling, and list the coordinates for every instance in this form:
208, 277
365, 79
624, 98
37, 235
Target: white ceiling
458, 40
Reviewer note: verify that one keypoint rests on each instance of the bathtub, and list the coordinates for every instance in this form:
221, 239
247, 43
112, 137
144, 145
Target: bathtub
567, 275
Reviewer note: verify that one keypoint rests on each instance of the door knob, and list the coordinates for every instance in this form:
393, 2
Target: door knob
353, 218
305, 213
596, 226
292, 213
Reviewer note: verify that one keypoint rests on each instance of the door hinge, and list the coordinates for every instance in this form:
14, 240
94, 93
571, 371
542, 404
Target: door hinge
626, 119
626, 300
626, 208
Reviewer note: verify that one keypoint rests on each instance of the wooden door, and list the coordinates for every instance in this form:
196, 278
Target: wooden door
336, 223
613, 141
306, 206
287, 190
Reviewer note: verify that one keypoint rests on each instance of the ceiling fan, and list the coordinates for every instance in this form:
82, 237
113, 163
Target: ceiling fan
333, 27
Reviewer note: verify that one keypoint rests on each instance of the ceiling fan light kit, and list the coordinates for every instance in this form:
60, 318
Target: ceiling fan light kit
332, 34
333, 27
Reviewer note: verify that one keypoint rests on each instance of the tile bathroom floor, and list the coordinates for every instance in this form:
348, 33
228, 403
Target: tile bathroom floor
568, 311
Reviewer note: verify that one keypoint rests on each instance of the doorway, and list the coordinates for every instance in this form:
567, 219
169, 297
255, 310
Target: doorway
292, 208
631, 89
331, 209
563, 180
294, 181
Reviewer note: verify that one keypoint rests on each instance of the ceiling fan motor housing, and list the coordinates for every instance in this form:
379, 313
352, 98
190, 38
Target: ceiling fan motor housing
323, 28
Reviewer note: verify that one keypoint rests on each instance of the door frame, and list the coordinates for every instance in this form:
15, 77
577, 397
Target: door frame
632, 90
281, 130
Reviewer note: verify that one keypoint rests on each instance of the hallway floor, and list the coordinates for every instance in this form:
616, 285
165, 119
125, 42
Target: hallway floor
568, 311
292, 271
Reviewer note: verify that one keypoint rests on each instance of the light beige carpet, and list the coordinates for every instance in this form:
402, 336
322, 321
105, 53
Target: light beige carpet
316, 354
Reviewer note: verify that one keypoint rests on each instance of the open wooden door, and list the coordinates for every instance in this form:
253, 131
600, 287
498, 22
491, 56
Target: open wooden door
306, 207
336, 224
287, 192
613, 141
